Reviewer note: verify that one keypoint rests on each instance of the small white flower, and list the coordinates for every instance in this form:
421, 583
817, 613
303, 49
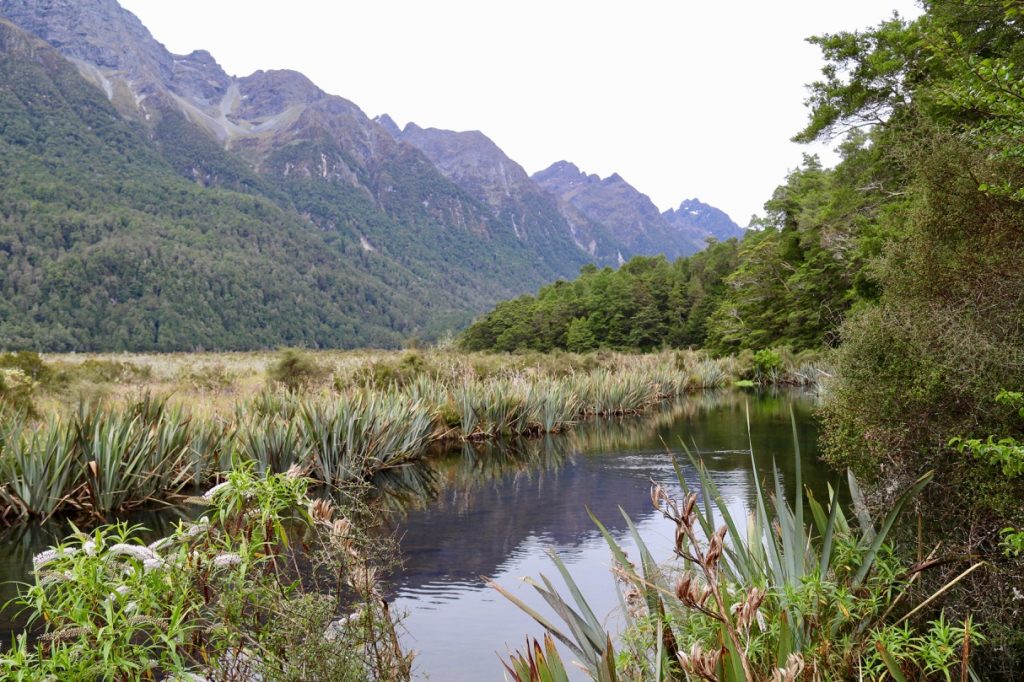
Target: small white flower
208, 495
134, 551
120, 591
89, 547
161, 544
43, 558
50, 555
1017, 594
335, 629
198, 527
156, 563
226, 559
51, 578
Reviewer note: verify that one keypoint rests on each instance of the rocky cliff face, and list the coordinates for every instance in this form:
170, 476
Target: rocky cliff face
477, 165
631, 219
703, 221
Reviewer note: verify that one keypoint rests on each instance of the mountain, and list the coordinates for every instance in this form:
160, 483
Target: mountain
477, 165
695, 217
634, 221
154, 202
384, 235
104, 245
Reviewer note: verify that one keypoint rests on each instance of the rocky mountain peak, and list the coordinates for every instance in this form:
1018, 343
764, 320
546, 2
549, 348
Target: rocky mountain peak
389, 125
268, 93
564, 171
695, 216
117, 53
200, 76
625, 213
99, 32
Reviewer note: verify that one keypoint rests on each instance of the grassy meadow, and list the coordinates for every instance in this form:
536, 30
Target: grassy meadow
214, 383
99, 434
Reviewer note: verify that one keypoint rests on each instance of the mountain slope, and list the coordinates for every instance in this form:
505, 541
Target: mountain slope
291, 133
104, 245
702, 220
633, 221
375, 214
477, 165
255, 211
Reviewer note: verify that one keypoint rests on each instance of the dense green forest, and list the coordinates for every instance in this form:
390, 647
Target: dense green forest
115, 236
907, 259
789, 282
647, 303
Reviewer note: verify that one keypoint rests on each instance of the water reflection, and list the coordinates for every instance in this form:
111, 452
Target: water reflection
495, 509
21, 542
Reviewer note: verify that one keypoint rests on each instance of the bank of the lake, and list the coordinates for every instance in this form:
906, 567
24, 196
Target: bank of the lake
494, 509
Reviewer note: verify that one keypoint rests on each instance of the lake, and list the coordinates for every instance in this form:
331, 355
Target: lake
497, 510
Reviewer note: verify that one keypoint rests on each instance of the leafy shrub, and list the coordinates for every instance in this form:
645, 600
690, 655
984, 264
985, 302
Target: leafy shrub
106, 372
295, 370
16, 391
215, 377
766, 362
30, 364
385, 374
221, 598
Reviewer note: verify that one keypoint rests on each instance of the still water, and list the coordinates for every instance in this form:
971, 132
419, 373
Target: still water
496, 511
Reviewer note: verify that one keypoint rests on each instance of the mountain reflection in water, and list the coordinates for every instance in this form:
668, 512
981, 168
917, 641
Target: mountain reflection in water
495, 510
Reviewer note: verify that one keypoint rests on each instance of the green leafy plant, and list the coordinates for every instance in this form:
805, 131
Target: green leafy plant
223, 597
537, 664
798, 587
294, 370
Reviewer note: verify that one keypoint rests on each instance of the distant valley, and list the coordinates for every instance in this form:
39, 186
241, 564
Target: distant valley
150, 201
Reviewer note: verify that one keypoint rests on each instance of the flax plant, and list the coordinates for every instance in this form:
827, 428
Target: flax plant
796, 591
128, 460
272, 443
353, 438
146, 449
41, 467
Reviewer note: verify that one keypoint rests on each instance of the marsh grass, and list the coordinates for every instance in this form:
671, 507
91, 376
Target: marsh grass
40, 466
170, 422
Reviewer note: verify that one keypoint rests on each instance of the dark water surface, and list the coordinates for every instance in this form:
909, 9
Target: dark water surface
496, 511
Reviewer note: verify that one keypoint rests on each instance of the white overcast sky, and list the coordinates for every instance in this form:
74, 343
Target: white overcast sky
682, 98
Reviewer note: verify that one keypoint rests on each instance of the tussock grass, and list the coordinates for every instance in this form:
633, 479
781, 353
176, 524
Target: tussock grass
124, 431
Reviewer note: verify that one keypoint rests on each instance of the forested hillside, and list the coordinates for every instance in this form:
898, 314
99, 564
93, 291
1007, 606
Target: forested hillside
74, 175
789, 282
119, 237
251, 211
645, 304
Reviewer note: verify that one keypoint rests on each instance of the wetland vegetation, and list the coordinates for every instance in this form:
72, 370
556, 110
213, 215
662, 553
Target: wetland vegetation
891, 283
